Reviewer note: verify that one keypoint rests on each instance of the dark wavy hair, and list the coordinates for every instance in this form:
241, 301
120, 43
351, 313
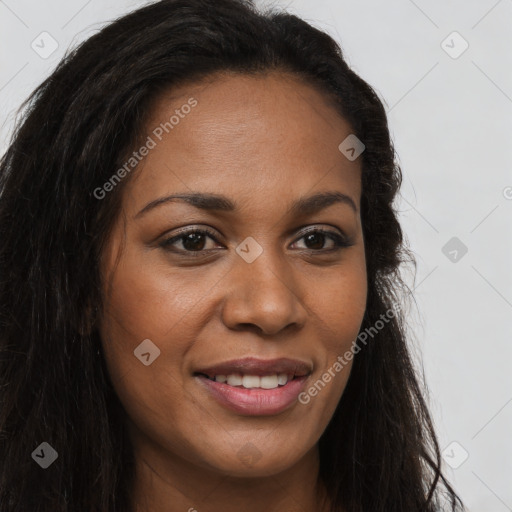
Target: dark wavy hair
378, 453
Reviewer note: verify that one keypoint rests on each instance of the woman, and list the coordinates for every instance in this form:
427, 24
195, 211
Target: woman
201, 304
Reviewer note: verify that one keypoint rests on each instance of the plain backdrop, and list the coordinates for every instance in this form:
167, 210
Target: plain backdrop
443, 70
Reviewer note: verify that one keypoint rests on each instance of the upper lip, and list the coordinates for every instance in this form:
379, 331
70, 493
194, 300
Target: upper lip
260, 367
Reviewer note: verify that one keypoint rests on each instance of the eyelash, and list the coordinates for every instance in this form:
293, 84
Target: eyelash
340, 242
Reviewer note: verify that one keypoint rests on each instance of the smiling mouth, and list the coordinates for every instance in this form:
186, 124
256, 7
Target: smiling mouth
247, 396
253, 372
251, 386
238, 380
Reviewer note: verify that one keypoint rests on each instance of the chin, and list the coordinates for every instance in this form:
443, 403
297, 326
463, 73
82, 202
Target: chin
251, 461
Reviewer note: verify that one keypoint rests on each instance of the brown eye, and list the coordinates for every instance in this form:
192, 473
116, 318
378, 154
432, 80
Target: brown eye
192, 241
316, 238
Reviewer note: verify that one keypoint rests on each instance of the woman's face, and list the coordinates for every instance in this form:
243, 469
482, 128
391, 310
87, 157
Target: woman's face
263, 285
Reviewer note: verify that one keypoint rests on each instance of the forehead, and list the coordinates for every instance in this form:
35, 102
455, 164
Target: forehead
265, 136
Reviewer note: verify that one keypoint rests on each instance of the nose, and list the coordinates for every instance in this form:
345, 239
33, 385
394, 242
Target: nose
263, 296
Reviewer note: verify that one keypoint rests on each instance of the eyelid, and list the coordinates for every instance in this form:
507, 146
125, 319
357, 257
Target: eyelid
185, 231
340, 239
304, 230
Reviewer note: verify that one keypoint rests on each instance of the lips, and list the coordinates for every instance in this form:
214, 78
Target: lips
255, 387
258, 367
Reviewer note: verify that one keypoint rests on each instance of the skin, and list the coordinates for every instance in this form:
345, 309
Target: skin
262, 141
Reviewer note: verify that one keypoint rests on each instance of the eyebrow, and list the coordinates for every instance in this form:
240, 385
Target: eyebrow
214, 202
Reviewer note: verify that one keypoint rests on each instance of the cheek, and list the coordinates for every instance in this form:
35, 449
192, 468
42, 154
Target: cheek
150, 301
143, 306
145, 303
338, 306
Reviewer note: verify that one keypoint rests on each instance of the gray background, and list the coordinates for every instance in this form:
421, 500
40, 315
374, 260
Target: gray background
450, 115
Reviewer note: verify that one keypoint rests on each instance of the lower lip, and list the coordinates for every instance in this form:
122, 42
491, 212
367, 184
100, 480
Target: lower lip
255, 402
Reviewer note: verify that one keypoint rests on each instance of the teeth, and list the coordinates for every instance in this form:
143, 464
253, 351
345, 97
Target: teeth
282, 379
234, 380
254, 381
269, 382
251, 381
